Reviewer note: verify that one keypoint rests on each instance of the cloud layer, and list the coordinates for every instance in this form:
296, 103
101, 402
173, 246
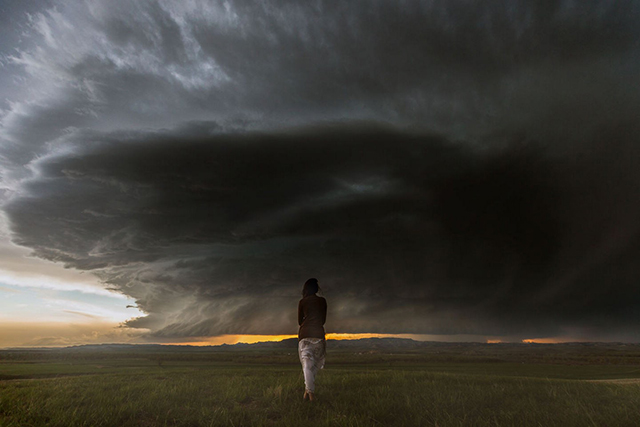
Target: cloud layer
213, 234
440, 169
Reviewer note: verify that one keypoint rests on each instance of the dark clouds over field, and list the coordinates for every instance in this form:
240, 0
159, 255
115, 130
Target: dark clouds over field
441, 168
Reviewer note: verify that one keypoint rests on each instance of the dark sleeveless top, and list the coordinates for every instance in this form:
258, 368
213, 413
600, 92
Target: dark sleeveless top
312, 313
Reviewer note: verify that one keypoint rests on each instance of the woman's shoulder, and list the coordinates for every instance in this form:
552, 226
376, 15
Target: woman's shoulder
313, 297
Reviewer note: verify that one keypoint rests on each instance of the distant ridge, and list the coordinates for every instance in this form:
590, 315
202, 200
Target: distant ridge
290, 343
362, 344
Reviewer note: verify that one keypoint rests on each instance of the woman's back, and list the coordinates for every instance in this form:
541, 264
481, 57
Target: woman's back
312, 313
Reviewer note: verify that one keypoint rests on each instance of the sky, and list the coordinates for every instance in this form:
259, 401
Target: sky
173, 172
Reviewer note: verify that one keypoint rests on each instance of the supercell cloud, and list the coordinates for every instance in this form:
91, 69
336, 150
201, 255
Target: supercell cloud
441, 168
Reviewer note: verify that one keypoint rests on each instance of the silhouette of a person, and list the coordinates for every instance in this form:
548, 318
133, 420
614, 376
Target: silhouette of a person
312, 313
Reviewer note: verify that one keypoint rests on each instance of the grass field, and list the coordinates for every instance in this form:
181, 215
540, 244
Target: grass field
250, 388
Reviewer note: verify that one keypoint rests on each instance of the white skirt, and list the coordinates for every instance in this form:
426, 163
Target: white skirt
311, 352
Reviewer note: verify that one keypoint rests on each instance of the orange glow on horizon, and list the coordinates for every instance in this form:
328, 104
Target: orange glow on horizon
336, 336
547, 340
233, 339
252, 339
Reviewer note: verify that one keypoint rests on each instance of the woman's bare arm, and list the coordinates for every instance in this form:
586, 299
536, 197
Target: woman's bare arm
324, 311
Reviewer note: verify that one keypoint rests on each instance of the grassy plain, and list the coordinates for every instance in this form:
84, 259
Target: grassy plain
473, 385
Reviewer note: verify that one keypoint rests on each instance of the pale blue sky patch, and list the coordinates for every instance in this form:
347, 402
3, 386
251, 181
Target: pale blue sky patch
24, 303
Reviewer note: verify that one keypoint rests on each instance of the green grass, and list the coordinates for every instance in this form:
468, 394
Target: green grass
384, 390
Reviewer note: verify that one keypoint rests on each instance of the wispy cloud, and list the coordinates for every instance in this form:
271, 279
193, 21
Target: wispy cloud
19, 268
80, 313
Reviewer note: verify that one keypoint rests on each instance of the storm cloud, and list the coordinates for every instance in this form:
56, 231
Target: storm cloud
441, 168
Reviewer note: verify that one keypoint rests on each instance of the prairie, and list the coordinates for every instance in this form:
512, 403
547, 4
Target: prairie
458, 385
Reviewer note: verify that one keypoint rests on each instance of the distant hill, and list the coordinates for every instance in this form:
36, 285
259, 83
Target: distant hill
366, 350
291, 343
359, 345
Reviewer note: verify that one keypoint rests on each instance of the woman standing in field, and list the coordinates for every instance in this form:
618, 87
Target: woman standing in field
312, 313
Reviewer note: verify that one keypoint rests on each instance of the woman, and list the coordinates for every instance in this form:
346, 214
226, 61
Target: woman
312, 313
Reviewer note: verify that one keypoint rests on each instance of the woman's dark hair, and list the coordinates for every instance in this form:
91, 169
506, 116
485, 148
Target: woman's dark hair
310, 287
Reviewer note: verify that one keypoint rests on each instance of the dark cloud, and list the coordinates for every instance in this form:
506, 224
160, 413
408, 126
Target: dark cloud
408, 232
442, 167
460, 69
